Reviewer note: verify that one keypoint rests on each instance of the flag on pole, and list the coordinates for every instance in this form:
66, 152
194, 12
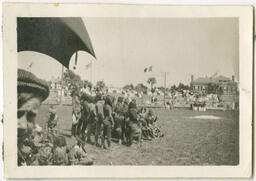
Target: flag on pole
30, 65
88, 65
148, 69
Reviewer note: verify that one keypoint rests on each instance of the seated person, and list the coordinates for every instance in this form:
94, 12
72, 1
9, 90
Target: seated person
78, 156
60, 156
150, 117
146, 135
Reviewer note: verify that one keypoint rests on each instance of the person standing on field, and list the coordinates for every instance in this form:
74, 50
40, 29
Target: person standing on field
108, 122
91, 120
100, 117
119, 119
83, 122
52, 120
134, 129
76, 112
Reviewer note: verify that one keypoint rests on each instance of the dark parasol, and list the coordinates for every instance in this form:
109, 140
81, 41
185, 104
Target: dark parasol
59, 38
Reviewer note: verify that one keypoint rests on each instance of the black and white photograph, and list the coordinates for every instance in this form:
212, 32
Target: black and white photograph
129, 91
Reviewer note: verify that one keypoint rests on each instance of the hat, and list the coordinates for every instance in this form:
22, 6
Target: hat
29, 83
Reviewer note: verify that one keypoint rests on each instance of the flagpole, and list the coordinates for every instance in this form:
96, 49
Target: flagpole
62, 72
76, 55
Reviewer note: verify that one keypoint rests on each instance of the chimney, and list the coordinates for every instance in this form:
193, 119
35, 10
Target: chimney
192, 78
233, 78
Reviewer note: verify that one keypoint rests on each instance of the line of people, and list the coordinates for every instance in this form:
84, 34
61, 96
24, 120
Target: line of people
100, 115
109, 120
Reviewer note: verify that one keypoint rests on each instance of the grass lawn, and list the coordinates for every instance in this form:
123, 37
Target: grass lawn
186, 141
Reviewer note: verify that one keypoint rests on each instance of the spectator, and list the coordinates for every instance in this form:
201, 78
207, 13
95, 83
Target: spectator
31, 92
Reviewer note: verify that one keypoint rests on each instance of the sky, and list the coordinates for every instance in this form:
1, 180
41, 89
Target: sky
126, 46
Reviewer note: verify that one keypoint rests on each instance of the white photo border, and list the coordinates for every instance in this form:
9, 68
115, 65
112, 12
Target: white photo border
13, 10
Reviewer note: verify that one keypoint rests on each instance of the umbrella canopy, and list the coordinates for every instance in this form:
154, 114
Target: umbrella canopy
59, 38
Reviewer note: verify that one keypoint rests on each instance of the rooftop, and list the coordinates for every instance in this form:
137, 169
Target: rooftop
212, 79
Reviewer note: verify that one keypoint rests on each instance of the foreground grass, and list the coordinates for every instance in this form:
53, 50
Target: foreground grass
186, 142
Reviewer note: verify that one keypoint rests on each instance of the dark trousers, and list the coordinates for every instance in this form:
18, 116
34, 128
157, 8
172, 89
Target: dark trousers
118, 131
79, 125
82, 125
90, 130
106, 133
134, 131
98, 130
74, 130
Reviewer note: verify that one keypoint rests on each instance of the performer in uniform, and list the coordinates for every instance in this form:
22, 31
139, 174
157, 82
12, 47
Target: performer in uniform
100, 117
119, 119
108, 122
135, 130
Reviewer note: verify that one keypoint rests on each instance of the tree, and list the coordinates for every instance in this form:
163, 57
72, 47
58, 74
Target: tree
72, 80
173, 88
215, 89
151, 81
212, 88
100, 85
128, 87
181, 87
161, 88
141, 88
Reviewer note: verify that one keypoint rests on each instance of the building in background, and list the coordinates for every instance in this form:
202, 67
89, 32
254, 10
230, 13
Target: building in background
216, 84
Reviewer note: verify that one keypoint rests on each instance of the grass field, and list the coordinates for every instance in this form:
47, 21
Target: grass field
186, 141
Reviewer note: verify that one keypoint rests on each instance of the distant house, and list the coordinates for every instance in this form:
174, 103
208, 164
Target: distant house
215, 84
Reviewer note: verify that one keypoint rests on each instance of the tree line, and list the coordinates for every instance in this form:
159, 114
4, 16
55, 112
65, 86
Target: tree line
73, 81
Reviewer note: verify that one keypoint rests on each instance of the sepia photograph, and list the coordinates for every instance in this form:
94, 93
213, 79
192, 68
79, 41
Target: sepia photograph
149, 95
130, 91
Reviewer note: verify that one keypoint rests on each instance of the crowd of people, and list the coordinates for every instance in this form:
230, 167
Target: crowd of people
36, 146
101, 116
111, 118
